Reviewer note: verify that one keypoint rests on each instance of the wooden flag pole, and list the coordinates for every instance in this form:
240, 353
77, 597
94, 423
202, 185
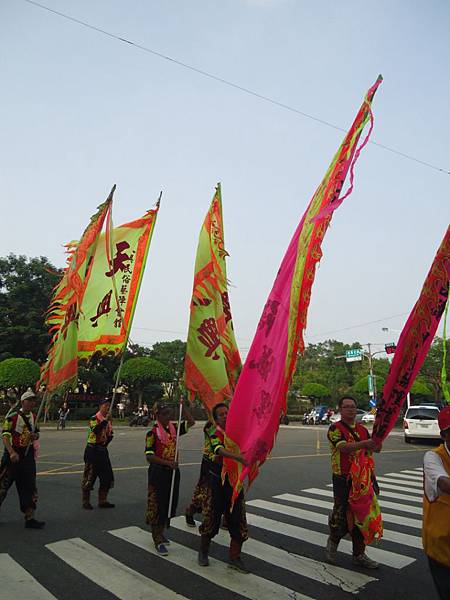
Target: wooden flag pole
172, 486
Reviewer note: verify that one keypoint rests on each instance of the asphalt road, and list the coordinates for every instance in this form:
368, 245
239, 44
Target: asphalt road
105, 554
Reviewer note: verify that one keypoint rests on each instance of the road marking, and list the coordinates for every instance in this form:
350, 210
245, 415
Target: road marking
386, 483
387, 517
404, 482
109, 573
383, 492
345, 579
390, 559
403, 507
16, 582
417, 472
405, 476
307, 515
250, 585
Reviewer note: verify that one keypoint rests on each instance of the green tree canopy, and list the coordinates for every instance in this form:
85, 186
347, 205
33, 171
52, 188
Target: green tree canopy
419, 388
25, 291
144, 375
315, 390
18, 374
171, 354
96, 381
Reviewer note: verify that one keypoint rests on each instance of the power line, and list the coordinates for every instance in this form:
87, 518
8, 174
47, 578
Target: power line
356, 326
228, 83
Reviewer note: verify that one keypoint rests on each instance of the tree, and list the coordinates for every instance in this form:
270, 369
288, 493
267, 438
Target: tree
316, 391
430, 372
171, 354
419, 390
144, 375
26, 287
95, 381
18, 374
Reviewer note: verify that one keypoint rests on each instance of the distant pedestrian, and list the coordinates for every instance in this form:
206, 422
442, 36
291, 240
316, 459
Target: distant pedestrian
436, 508
347, 439
63, 413
160, 449
18, 464
96, 458
121, 409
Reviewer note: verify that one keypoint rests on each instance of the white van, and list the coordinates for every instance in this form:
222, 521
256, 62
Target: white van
421, 422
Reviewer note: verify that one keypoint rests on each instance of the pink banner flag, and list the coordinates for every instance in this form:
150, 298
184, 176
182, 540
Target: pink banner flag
415, 341
260, 395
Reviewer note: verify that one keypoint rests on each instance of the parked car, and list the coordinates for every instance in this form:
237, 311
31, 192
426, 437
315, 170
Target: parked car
368, 417
421, 422
337, 416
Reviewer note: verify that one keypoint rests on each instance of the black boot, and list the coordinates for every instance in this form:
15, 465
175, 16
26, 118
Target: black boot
203, 559
33, 524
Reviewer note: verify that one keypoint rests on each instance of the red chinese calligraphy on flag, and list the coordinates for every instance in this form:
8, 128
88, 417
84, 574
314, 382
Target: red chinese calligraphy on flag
260, 395
415, 341
111, 296
212, 362
60, 370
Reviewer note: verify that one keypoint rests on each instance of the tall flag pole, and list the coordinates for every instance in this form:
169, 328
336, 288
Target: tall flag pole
212, 362
415, 340
111, 296
60, 371
260, 395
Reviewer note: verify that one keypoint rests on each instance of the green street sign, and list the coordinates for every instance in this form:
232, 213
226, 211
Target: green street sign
353, 355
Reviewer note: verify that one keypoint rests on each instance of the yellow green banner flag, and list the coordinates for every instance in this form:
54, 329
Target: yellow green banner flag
110, 299
212, 363
60, 371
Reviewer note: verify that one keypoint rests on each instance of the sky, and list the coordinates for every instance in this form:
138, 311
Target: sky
82, 111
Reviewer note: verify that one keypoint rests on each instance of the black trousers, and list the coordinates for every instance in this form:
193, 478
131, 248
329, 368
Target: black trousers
441, 578
97, 465
218, 503
23, 474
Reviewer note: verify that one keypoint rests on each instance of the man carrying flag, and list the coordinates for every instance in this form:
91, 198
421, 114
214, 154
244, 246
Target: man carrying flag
18, 464
348, 438
219, 495
96, 457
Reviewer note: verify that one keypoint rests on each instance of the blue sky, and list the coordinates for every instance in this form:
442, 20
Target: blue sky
81, 111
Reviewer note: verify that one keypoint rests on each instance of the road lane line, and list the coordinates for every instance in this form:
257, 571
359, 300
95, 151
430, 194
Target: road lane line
16, 582
307, 515
389, 494
345, 579
385, 557
249, 586
109, 573
387, 517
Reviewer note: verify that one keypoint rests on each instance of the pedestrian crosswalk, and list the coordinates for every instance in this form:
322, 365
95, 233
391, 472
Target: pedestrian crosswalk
294, 570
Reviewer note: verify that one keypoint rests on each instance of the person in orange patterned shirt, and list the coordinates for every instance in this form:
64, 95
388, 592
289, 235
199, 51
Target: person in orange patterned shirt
160, 449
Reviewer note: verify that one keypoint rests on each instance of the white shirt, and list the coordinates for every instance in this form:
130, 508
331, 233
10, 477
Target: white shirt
433, 469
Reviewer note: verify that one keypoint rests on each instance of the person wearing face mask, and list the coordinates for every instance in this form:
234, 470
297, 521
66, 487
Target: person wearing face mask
436, 508
160, 452
97, 463
18, 464
347, 438
219, 496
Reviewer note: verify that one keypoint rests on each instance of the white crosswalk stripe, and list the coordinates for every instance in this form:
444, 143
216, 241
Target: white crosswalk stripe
307, 513
16, 582
416, 472
347, 580
397, 480
416, 510
250, 586
387, 517
390, 494
109, 573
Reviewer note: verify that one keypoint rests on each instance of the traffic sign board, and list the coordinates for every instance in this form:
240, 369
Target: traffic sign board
353, 355
370, 385
390, 348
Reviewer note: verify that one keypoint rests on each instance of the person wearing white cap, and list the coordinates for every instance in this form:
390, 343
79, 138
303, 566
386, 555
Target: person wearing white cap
18, 463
